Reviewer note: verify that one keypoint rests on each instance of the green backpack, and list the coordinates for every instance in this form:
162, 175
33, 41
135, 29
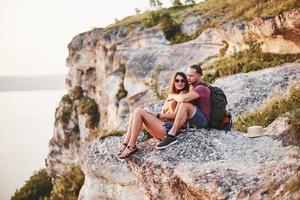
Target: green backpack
219, 117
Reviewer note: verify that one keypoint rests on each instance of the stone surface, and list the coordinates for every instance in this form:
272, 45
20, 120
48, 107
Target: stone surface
247, 91
204, 164
105, 176
279, 34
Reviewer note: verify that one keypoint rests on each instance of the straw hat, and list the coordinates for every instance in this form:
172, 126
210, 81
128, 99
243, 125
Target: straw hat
254, 131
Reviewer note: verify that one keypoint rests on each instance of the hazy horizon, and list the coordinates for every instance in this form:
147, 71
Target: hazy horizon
32, 83
27, 120
35, 34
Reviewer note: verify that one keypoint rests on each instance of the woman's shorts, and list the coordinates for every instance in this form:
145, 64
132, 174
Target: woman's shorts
167, 126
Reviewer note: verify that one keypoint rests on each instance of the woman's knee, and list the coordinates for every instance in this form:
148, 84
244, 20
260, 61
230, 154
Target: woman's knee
138, 110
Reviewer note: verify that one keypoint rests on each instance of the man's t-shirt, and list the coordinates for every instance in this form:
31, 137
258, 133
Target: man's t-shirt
204, 101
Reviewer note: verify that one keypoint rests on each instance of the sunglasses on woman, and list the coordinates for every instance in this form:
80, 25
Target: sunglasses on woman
179, 80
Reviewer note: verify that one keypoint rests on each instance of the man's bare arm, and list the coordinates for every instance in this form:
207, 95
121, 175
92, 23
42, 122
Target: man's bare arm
190, 96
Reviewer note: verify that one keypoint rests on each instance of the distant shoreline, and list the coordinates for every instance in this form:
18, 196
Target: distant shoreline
32, 83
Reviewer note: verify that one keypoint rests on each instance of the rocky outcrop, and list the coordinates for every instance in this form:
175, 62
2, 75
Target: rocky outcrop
247, 91
96, 58
113, 67
205, 164
95, 64
279, 34
106, 177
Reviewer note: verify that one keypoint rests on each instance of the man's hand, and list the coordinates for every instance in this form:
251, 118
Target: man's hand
190, 96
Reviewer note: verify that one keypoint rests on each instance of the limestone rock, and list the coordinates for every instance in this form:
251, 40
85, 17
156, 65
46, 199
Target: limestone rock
247, 91
279, 34
105, 176
204, 164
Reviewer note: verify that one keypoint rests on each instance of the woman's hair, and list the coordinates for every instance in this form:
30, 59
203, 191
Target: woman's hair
172, 83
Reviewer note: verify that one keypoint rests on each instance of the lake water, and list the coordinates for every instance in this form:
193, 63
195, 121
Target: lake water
26, 125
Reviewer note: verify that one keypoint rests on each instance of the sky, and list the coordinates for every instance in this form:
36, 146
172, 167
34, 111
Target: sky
35, 33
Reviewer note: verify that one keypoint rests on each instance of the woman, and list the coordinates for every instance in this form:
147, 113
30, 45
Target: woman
156, 124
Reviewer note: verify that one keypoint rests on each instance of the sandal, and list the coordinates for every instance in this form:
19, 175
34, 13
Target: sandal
122, 149
127, 152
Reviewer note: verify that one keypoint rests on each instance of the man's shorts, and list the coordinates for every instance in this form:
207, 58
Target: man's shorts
198, 119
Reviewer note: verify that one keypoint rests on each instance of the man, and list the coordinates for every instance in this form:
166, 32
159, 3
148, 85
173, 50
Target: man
194, 106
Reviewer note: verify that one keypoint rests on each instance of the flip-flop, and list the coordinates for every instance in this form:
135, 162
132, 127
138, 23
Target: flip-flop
130, 151
122, 149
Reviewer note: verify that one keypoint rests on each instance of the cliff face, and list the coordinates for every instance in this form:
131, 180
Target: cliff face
205, 164
96, 57
106, 64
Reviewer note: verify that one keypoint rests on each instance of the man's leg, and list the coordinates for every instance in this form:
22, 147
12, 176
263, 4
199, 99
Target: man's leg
185, 111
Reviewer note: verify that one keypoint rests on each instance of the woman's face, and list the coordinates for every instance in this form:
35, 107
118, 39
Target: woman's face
179, 82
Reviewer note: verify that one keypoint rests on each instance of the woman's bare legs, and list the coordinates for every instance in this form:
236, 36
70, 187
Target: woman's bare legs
151, 122
129, 129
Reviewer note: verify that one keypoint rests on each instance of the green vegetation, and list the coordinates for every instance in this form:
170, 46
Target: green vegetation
271, 110
293, 185
168, 25
154, 85
224, 48
251, 59
216, 12
114, 132
38, 187
64, 111
89, 107
67, 186
101, 134
122, 93
86, 106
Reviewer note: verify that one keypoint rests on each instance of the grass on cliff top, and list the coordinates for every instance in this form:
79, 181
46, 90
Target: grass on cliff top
217, 12
222, 11
251, 59
276, 106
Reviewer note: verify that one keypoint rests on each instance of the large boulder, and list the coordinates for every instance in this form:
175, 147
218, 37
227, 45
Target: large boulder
204, 164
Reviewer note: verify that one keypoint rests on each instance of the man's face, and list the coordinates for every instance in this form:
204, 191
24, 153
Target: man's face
192, 76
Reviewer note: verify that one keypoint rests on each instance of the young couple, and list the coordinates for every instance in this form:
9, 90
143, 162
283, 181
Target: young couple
188, 101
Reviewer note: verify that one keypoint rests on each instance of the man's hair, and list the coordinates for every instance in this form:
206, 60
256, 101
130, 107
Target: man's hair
197, 68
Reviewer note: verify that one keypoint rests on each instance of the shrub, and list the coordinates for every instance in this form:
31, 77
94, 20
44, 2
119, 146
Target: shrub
64, 111
216, 11
67, 186
223, 50
89, 107
37, 187
122, 93
266, 114
251, 59
154, 85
